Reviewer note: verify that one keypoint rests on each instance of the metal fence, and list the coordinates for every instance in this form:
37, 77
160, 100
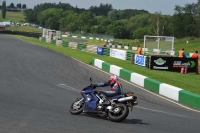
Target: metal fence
95, 35
28, 34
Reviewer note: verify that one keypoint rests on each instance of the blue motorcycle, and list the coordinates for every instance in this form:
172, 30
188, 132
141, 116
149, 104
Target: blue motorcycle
112, 106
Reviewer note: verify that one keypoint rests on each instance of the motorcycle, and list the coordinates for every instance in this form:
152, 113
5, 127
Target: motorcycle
112, 106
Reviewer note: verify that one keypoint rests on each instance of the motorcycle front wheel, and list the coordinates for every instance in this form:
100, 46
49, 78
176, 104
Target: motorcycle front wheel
76, 107
118, 113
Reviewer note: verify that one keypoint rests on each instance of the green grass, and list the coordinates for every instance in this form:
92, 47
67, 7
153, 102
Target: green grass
24, 28
17, 17
192, 46
188, 82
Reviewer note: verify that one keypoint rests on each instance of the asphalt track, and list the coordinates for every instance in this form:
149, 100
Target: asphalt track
38, 85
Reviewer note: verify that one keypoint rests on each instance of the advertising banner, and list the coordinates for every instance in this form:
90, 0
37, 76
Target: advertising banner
176, 63
140, 60
100, 50
173, 63
120, 54
160, 63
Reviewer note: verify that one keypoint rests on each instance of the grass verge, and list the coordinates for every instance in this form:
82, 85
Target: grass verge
17, 17
185, 81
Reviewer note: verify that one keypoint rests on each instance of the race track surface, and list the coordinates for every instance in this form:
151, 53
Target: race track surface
38, 85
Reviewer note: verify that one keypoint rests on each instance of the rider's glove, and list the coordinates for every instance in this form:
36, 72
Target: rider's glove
94, 86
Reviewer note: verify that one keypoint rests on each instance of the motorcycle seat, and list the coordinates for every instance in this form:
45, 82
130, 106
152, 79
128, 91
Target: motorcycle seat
108, 94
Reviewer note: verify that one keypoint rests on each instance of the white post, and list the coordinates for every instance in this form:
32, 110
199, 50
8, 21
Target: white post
144, 44
158, 44
173, 50
43, 32
173, 44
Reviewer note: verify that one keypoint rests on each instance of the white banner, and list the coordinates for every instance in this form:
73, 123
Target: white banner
120, 54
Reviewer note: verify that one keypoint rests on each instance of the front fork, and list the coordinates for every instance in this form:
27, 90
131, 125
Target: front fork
79, 100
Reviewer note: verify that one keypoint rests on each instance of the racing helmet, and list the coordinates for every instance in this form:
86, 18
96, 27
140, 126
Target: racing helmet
113, 80
114, 77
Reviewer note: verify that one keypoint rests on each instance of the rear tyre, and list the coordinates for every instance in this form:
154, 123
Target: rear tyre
76, 107
119, 113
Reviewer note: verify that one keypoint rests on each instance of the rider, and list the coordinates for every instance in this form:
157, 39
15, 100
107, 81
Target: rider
115, 86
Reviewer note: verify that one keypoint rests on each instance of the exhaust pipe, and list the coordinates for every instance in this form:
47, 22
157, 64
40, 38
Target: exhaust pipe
125, 99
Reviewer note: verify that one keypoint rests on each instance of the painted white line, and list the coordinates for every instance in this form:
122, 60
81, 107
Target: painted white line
64, 86
125, 81
160, 111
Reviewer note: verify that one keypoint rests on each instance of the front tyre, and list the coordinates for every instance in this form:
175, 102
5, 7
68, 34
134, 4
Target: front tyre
119, 113
76, 107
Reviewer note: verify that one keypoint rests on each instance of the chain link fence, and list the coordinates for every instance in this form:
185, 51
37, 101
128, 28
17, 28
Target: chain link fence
94, 35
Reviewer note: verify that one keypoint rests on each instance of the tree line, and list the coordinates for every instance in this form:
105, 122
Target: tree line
19, 5
128, 23
3, 7
12, 5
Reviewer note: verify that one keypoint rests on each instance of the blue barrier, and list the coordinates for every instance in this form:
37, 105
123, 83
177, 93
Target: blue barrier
100, 50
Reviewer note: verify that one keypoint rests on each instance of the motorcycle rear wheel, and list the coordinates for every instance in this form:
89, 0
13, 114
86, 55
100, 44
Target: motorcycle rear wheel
75, 108
120, 112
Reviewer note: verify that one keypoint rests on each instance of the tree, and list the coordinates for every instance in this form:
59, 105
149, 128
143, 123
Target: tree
128, 13
186, 21
4, 9
102, 27
117, 29
141, 20
113, 14
30, 16
24, 6
130, 27
50, 18
85, 21
12, 5
41, 7
140, 32
19, 5
69, 21
102, 10
158, 23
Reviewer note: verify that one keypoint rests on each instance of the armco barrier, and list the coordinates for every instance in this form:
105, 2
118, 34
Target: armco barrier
43, 39
65, 44
129, 55
172, 92
82, 46
106, 51
53, 41
59, 43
